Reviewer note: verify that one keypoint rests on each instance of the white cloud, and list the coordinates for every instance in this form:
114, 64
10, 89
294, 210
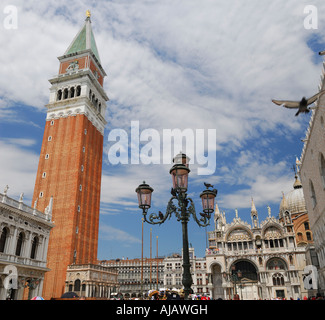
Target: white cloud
184, 64
260, 177
18, 168
107, 232
21, 142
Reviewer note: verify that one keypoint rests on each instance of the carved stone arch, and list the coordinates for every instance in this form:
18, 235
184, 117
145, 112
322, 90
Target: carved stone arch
239, 227
72, 92
65, 93
269, 226
77, 285
59, 95
276, 263
78, 90
4, 236
247, 266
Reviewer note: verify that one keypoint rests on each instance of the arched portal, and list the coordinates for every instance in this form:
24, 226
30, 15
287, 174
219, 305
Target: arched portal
244, 277
247, 269
217, 291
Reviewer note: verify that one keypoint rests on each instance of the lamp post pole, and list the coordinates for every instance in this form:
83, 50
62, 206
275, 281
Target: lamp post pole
187, 278
141, 289
235, 277
183, 211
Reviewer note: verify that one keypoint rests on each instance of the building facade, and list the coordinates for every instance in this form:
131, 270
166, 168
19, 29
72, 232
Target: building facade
255, 261
173, 272
24, 237
70, 163
137, 276
293, 210
91, 281
312, 175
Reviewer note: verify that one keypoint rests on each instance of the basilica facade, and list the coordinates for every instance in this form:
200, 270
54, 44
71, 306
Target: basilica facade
259, 260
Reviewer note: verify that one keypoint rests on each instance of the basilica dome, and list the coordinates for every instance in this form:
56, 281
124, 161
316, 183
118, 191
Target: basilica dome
294, 201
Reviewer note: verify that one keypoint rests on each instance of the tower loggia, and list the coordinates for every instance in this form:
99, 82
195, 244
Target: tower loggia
70, 164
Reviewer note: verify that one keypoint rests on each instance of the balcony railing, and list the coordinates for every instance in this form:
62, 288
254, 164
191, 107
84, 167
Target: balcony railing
12, 259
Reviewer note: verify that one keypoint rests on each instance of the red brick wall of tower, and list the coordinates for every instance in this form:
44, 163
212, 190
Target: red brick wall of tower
74, 162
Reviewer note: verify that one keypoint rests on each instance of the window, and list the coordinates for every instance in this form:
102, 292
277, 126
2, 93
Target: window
43, 174
85, 131
312, 194
34, 248
306, 224
82, 168
308, 235
72, 92
78, 91
78, 208
19, 246
41, 194
65, 93
322, 168
276, 264
278, 279
77, 285
49, 138
3, 239
59, 95
52, 122
47, 156
83, 149
80, 188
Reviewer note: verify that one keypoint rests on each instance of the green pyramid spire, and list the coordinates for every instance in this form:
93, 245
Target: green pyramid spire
84, 40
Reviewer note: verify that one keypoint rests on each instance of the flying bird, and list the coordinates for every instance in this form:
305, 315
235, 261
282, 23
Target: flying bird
302, 105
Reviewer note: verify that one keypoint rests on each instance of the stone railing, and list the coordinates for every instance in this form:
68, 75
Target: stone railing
22, 206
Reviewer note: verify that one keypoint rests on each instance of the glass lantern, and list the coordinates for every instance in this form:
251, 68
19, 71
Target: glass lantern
179, 173
207, 197
144, 192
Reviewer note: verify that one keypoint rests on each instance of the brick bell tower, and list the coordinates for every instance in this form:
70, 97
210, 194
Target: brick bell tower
70, 164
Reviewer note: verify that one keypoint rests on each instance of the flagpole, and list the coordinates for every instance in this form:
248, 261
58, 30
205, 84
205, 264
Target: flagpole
141, 262
150, 258
157, 264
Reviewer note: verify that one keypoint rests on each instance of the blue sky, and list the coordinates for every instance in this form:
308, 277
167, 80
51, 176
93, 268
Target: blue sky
185, 64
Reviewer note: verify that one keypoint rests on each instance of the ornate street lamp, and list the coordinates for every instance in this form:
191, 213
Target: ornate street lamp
183, 211
235, 277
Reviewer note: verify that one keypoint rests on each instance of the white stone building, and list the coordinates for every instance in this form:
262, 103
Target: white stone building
173, 272
256, 261
91, 281
137, 276
312, 175
24, 236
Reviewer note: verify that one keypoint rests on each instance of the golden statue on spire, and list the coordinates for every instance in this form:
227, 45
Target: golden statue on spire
88, 14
